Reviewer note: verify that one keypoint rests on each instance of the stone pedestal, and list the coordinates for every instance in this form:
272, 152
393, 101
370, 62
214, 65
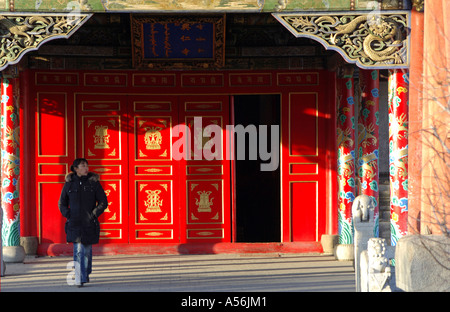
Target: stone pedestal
29, 244
13, 254
345, 252
329, 242
421, 263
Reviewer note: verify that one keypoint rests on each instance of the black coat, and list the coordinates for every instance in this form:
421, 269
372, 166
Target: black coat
82, 200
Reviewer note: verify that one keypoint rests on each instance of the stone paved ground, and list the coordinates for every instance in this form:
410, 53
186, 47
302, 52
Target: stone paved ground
187, 273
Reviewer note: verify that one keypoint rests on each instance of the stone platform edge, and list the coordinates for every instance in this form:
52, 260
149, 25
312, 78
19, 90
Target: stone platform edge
49, 249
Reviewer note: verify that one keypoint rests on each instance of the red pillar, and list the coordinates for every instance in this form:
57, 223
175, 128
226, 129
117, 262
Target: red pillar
368, 138
346, 156
10, 165
415, 123
398, 152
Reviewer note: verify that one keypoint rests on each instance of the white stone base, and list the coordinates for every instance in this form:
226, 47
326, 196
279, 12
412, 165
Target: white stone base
344, 252
13, 254
329, 243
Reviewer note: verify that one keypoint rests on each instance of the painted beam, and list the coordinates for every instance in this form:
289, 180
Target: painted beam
183, 6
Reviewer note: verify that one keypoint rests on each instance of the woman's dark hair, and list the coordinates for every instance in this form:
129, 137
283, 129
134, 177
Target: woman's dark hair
76, 162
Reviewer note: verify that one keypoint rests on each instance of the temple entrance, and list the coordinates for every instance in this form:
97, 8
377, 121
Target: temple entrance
163, 188
257, 191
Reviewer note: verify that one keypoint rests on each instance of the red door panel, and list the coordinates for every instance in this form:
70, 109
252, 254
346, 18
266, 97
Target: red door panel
154, 179
52, 222
102, 140
204, 172
54, 137
303, 169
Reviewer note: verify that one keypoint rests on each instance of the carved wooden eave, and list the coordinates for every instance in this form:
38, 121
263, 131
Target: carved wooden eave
371, 40
418, 5
21, 32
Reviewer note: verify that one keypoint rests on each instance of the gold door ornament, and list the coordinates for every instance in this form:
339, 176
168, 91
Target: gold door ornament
204, 205
154, 201
153, 138
101, 137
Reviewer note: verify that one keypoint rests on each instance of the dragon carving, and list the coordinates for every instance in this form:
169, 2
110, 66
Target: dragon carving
19, 33
368, 39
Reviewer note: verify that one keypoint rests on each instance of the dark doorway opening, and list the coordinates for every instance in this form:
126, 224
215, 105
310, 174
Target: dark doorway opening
257, 192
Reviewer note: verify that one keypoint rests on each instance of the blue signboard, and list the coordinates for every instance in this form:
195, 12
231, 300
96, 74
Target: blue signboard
178, 40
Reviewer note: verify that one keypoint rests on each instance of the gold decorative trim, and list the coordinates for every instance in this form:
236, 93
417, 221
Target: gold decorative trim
418, 5
298, 165
22, 33
52, 165
375, 40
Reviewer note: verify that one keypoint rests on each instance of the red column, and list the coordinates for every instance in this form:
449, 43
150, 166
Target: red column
346, 156
398, 152
368, 138
10, 165
415, 122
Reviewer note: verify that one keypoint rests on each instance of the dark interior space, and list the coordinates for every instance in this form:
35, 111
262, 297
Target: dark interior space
258, 206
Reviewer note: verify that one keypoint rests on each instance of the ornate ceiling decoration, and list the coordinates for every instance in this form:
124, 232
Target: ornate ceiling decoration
418, 5
375, 40
21, 33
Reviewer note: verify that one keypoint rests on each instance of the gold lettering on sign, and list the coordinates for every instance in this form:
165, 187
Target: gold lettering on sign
204, 205
153, 138
154, 201
101, 137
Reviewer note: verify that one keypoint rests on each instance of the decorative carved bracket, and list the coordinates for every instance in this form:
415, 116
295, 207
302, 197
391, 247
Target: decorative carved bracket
372, 40
21, 33
418, 5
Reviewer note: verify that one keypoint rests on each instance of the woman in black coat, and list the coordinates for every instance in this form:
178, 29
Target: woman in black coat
81, 202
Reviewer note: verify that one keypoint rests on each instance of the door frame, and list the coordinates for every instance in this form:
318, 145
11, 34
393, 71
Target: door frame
230, 83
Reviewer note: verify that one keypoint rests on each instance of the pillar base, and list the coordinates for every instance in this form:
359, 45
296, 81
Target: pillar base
13, 254
30, 244
344, 252
329, 242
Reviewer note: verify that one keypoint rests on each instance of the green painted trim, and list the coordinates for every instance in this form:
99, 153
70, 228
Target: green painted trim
190, 6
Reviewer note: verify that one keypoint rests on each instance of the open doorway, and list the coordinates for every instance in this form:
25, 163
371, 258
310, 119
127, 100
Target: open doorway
257, 192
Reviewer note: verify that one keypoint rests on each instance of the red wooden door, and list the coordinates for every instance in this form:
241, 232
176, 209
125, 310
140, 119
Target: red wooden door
54, 151
155, 195
304, 131
102, 140
205, 171
154, 174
